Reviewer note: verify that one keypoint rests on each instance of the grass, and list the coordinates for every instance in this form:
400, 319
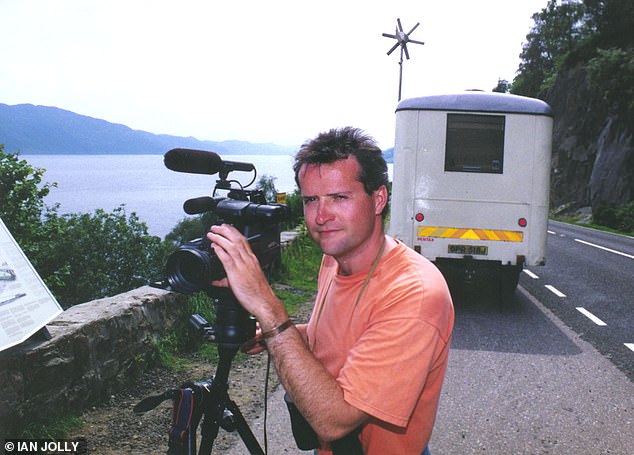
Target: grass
300, 263
52, 428
574, 219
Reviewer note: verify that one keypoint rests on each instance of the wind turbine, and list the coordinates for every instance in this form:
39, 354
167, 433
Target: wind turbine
402, 39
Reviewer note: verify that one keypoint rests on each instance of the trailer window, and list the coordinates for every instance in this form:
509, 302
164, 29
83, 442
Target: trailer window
475, 143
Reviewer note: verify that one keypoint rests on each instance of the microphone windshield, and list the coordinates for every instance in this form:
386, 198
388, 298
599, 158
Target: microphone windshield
193, 161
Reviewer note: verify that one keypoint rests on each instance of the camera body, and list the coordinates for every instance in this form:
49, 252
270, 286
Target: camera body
194, 265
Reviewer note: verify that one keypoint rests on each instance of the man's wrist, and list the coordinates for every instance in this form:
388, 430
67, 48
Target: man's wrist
261, 338
275, 331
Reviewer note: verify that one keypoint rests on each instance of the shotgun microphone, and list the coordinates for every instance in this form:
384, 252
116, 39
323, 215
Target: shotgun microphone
193, 161
228, 166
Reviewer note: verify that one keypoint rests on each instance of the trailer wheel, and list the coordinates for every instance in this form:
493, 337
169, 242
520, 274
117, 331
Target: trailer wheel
509, 278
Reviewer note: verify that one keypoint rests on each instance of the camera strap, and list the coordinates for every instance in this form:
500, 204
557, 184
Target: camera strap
182, 412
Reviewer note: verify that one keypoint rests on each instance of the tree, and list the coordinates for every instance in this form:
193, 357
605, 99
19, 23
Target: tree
611, 21
503, 86
86, 256
611, 76
266, 184
21, 197
557, 30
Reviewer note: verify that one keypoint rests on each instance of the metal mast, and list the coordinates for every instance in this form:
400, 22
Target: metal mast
402, 39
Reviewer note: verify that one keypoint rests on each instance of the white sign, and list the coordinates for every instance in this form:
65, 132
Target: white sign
26, 304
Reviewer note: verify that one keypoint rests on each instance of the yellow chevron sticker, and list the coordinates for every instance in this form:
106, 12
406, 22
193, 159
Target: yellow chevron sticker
497, 235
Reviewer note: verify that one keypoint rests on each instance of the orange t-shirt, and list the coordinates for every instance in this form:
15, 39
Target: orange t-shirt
389, 353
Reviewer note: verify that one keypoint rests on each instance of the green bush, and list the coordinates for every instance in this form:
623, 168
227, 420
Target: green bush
21, 197
611, 75
86, 256
616, 217
80, 257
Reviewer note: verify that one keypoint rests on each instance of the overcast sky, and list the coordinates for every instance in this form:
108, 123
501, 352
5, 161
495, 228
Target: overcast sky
262, 71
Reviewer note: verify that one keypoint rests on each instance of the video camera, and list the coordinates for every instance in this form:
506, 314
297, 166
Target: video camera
192, 268
194, 265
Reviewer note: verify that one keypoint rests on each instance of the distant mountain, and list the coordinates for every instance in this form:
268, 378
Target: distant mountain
30, 129
388, 154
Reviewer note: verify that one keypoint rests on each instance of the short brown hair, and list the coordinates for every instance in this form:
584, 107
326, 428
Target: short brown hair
339, 144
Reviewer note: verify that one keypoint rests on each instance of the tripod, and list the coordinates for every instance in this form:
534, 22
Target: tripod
209, 401
218, 410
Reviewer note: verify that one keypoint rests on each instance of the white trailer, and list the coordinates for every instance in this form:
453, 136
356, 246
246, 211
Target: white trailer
471, 184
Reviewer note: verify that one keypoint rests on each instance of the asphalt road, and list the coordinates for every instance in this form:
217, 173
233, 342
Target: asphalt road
537, 375
588, 282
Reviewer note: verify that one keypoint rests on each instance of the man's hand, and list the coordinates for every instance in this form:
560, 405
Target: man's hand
245, 276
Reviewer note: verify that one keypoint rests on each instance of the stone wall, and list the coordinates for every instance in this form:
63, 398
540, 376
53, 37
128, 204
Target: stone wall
96, 347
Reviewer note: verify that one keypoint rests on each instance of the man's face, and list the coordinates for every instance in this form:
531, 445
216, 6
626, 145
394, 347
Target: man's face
339, 214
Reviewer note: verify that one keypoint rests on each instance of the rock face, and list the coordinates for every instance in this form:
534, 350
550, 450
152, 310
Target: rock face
96, 347
593, 150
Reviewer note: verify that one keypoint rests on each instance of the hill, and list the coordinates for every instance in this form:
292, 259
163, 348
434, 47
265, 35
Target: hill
30, 129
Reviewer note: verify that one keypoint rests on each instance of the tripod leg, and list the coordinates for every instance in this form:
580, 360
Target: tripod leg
208, 433
244, 431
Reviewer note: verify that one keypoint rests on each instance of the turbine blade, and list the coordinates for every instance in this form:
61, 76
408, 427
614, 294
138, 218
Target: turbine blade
400, 27
413, 28
387, 35
416, 42
405, 49
393, 48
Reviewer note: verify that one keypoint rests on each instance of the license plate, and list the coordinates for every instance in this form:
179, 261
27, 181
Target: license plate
471, 250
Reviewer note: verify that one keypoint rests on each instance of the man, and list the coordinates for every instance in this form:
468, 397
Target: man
374, 353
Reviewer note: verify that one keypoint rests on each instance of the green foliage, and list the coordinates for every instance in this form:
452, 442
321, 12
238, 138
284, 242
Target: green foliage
79, 256
611, 76
58, 427
293, 298
557, 30
503, 86
86, 256
21, 197
611, 22
187, 229
568, 32
295, 204
200, 303
300, 263
266, 184
620, 218
167, 349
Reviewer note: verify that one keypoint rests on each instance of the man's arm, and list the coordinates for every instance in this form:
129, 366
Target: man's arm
314, 391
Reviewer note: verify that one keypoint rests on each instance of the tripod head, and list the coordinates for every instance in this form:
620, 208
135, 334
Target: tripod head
233, 325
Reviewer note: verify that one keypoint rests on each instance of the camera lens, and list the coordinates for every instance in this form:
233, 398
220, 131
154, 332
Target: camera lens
191, 268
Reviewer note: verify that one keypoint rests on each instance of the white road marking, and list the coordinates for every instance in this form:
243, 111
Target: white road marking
555, 291
552, 232
591, 316
530, 274
605, 249
629, 346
